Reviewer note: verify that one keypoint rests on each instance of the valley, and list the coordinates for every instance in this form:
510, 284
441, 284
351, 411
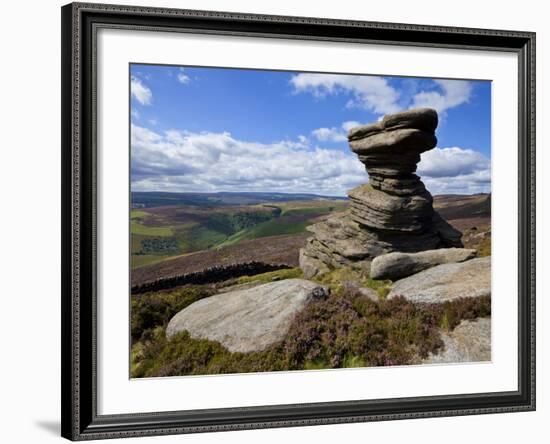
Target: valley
171, 240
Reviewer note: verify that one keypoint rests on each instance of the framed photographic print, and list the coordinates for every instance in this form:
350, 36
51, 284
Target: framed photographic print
280, 221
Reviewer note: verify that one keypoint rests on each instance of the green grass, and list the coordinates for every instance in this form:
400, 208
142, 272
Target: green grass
199, 237
484, 247
275, 227
310, 211
293, 220
315, 365
336, 280
382, 287
313, 205
137, 228
353, 362
138, 214
271, 276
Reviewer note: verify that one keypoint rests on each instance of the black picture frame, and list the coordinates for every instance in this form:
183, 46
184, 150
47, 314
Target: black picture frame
80, 22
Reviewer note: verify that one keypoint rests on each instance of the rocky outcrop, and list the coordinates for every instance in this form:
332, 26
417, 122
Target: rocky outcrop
399, 265
470, 341
394, 211
250, 319
446, 282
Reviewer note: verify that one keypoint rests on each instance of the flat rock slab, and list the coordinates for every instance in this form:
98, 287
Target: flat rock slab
446, 282
247, 320
470, 341
399, 265
420, 118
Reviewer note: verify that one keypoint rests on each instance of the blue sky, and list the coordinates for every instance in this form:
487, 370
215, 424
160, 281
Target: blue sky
215, 129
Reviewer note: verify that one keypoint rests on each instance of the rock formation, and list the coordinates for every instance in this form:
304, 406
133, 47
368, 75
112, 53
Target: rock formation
399, 265
394, 211
247, 320
446, 282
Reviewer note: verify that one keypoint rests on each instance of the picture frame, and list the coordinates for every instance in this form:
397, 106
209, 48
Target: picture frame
80, 176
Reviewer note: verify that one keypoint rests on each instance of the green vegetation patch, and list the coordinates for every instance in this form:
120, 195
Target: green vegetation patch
183, 355
311, 211
274, 227
154, 309
339, 278
293, 219
271, 276
138, 228
138, 214
484, 247
322, 205
199, 237
382, 287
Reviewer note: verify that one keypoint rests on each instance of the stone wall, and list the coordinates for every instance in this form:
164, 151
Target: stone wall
208, 276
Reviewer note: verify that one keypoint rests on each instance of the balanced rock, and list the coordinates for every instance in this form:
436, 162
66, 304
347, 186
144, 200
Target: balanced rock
250, 319
446, 282
399, 265
384, 211
394, 211
470, 341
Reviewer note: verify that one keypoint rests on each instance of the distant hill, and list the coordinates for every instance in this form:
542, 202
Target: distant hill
148, 199
455, 206
176, 233
158, 232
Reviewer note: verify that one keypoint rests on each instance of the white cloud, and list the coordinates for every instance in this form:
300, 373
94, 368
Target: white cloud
351, 124
182, 77
375, 94
479, 182
369, 92
329, 135
451, 162
455, 171
335, 134
135, 113
452, 93
140, 91
184, 161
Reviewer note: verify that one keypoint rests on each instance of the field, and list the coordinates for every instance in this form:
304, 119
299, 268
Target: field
170, 240
174, 231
